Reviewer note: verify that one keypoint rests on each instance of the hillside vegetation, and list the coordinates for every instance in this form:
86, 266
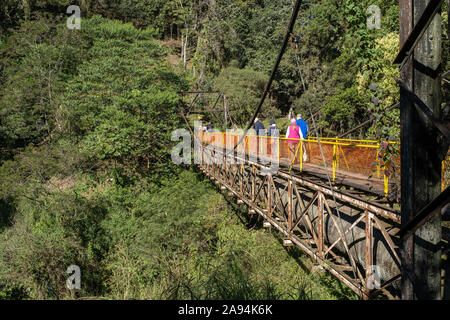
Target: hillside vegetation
86, 118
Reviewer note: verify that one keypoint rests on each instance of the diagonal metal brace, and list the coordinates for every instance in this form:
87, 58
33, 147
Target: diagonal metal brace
443, 128
434, 207
419, 29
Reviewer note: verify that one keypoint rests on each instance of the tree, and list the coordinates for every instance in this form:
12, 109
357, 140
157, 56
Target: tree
243, 88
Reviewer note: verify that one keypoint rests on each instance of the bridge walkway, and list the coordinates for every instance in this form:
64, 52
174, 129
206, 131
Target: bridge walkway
347, 227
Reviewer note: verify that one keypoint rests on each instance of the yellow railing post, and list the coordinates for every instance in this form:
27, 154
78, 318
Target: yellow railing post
301, 155
386, 182
334, 163
338, 154
378, 160
279, 149
246, 143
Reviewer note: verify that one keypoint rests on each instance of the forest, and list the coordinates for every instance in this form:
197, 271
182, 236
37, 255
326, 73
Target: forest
86, 118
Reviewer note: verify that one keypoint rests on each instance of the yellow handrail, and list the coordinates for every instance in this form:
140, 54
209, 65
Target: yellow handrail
311, 139
336, 142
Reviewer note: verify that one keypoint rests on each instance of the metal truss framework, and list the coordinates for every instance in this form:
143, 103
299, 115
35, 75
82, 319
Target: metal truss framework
303, 211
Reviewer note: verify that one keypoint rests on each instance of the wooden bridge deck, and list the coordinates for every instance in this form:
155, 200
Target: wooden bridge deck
350, 179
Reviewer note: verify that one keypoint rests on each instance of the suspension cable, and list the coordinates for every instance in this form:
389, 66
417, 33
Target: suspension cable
290, 28
344, 240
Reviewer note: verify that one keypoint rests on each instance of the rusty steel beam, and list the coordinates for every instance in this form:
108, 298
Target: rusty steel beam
252, 170
442, 127
418, 31
342, 277
369, 246
420, 163
406, 74
269, 196
346, 198
289, 226
320, 225
434, 207
305, 210
362, 204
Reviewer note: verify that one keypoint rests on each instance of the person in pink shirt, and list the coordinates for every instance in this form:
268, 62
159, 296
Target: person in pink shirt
293, 132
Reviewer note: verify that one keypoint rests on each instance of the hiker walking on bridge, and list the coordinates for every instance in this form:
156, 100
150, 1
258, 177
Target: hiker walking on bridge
273, 129
273, 135
260, 131
304, 130
259, 128
303, 126
293, 132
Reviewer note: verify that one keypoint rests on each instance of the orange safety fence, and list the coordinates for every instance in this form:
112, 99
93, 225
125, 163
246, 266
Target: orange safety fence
358, 157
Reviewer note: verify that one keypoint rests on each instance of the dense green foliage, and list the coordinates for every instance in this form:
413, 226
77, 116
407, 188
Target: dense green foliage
85, 123
86, 178
331, 51
243, 88
102, 106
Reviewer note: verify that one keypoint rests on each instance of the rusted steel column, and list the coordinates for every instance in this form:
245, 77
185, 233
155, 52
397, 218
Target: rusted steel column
253, 173
420, 163
241, 181
320, 223
406, 25
369, 249
427, 63
202, 161
290, 205
224, 148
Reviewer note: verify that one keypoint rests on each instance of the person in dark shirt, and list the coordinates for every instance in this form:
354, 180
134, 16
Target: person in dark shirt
273, 133
259, 128
260, 131
272, 128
